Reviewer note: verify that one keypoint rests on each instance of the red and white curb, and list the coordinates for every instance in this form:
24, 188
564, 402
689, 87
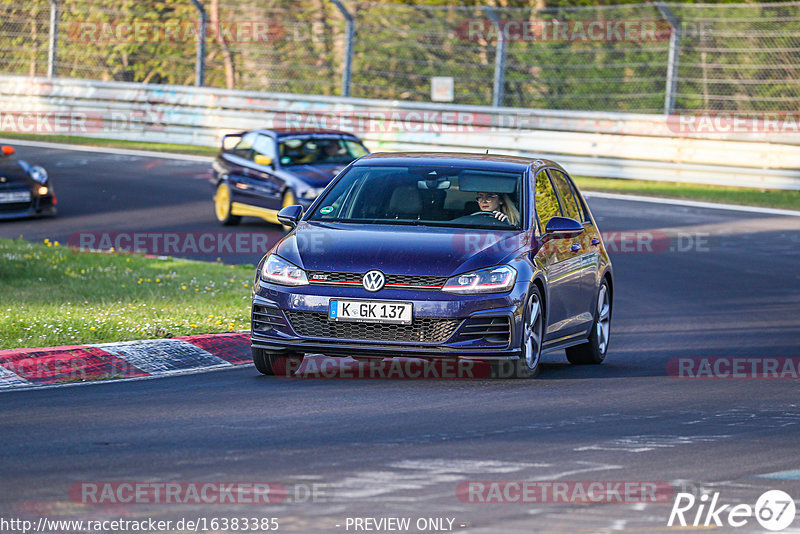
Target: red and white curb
20, 368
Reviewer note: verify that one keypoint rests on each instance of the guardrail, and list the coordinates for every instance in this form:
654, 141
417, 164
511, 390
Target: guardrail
603, 144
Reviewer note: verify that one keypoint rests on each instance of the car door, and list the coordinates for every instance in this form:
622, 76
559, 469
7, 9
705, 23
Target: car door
260, 185
235, 165
559, 259
585, 247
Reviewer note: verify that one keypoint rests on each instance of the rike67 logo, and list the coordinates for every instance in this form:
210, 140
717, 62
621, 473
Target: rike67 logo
774, 510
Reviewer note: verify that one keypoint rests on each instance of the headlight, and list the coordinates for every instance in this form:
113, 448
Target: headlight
280, 271
491, 280
38, 174
311, 193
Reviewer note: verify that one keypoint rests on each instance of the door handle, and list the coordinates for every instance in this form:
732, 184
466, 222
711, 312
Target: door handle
595, 241
575, 247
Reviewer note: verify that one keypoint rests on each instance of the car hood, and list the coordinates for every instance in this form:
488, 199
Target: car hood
315, 175
13, 172
414, 250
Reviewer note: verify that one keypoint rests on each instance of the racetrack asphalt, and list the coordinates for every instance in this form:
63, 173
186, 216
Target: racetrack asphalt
726, 285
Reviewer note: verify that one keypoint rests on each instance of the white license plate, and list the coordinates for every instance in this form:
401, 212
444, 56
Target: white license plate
370, 311
15, 196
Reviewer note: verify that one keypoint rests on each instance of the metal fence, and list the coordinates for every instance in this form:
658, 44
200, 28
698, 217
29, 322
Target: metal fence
651, 58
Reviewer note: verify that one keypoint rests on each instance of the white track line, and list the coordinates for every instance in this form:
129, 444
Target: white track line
108, 150
208, 159
692, 203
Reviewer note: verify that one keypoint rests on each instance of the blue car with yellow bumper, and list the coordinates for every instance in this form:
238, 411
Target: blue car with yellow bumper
259, 172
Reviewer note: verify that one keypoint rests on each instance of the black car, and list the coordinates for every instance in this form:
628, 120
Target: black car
259, 172
455, 256
25, 189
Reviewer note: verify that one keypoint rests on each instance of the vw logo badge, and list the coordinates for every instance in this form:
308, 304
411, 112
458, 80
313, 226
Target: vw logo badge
373, 281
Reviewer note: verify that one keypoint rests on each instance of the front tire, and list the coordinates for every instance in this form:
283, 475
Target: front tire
271, 363
593, 352
527, 366
222, 206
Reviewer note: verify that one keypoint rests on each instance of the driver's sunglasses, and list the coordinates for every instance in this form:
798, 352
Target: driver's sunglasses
487, 196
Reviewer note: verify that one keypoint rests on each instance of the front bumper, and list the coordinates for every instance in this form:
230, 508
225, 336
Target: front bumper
445, 325
37, 207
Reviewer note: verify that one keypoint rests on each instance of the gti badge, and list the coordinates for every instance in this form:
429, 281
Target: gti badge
373, 281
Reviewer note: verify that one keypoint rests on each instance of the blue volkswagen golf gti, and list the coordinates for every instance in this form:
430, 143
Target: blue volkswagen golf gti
428, 255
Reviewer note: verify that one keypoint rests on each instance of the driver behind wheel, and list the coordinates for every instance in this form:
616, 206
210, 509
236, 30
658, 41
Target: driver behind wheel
500, 206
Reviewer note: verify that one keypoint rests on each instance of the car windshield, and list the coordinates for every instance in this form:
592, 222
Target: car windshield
319, 150
425, 196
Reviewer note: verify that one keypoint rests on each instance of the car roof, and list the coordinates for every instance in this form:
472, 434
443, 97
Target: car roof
483, 161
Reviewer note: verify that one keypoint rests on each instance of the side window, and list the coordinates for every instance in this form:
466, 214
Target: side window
568, 203
244, 149
356, 150
546, 201
264, 146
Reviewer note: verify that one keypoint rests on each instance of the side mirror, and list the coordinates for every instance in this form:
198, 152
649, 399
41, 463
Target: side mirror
289, 215
261, 159
563, 227
7, 150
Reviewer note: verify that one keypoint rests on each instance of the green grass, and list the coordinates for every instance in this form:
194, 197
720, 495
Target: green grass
51, 295
772, 198
114, 143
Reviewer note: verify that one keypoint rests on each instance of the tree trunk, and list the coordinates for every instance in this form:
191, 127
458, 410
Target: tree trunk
227, 55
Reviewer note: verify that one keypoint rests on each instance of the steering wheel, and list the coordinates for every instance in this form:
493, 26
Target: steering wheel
490, 213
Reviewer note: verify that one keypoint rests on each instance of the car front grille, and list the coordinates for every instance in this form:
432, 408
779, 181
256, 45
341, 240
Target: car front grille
422, 330
393, 281
14, 206
264, 318
489, 329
